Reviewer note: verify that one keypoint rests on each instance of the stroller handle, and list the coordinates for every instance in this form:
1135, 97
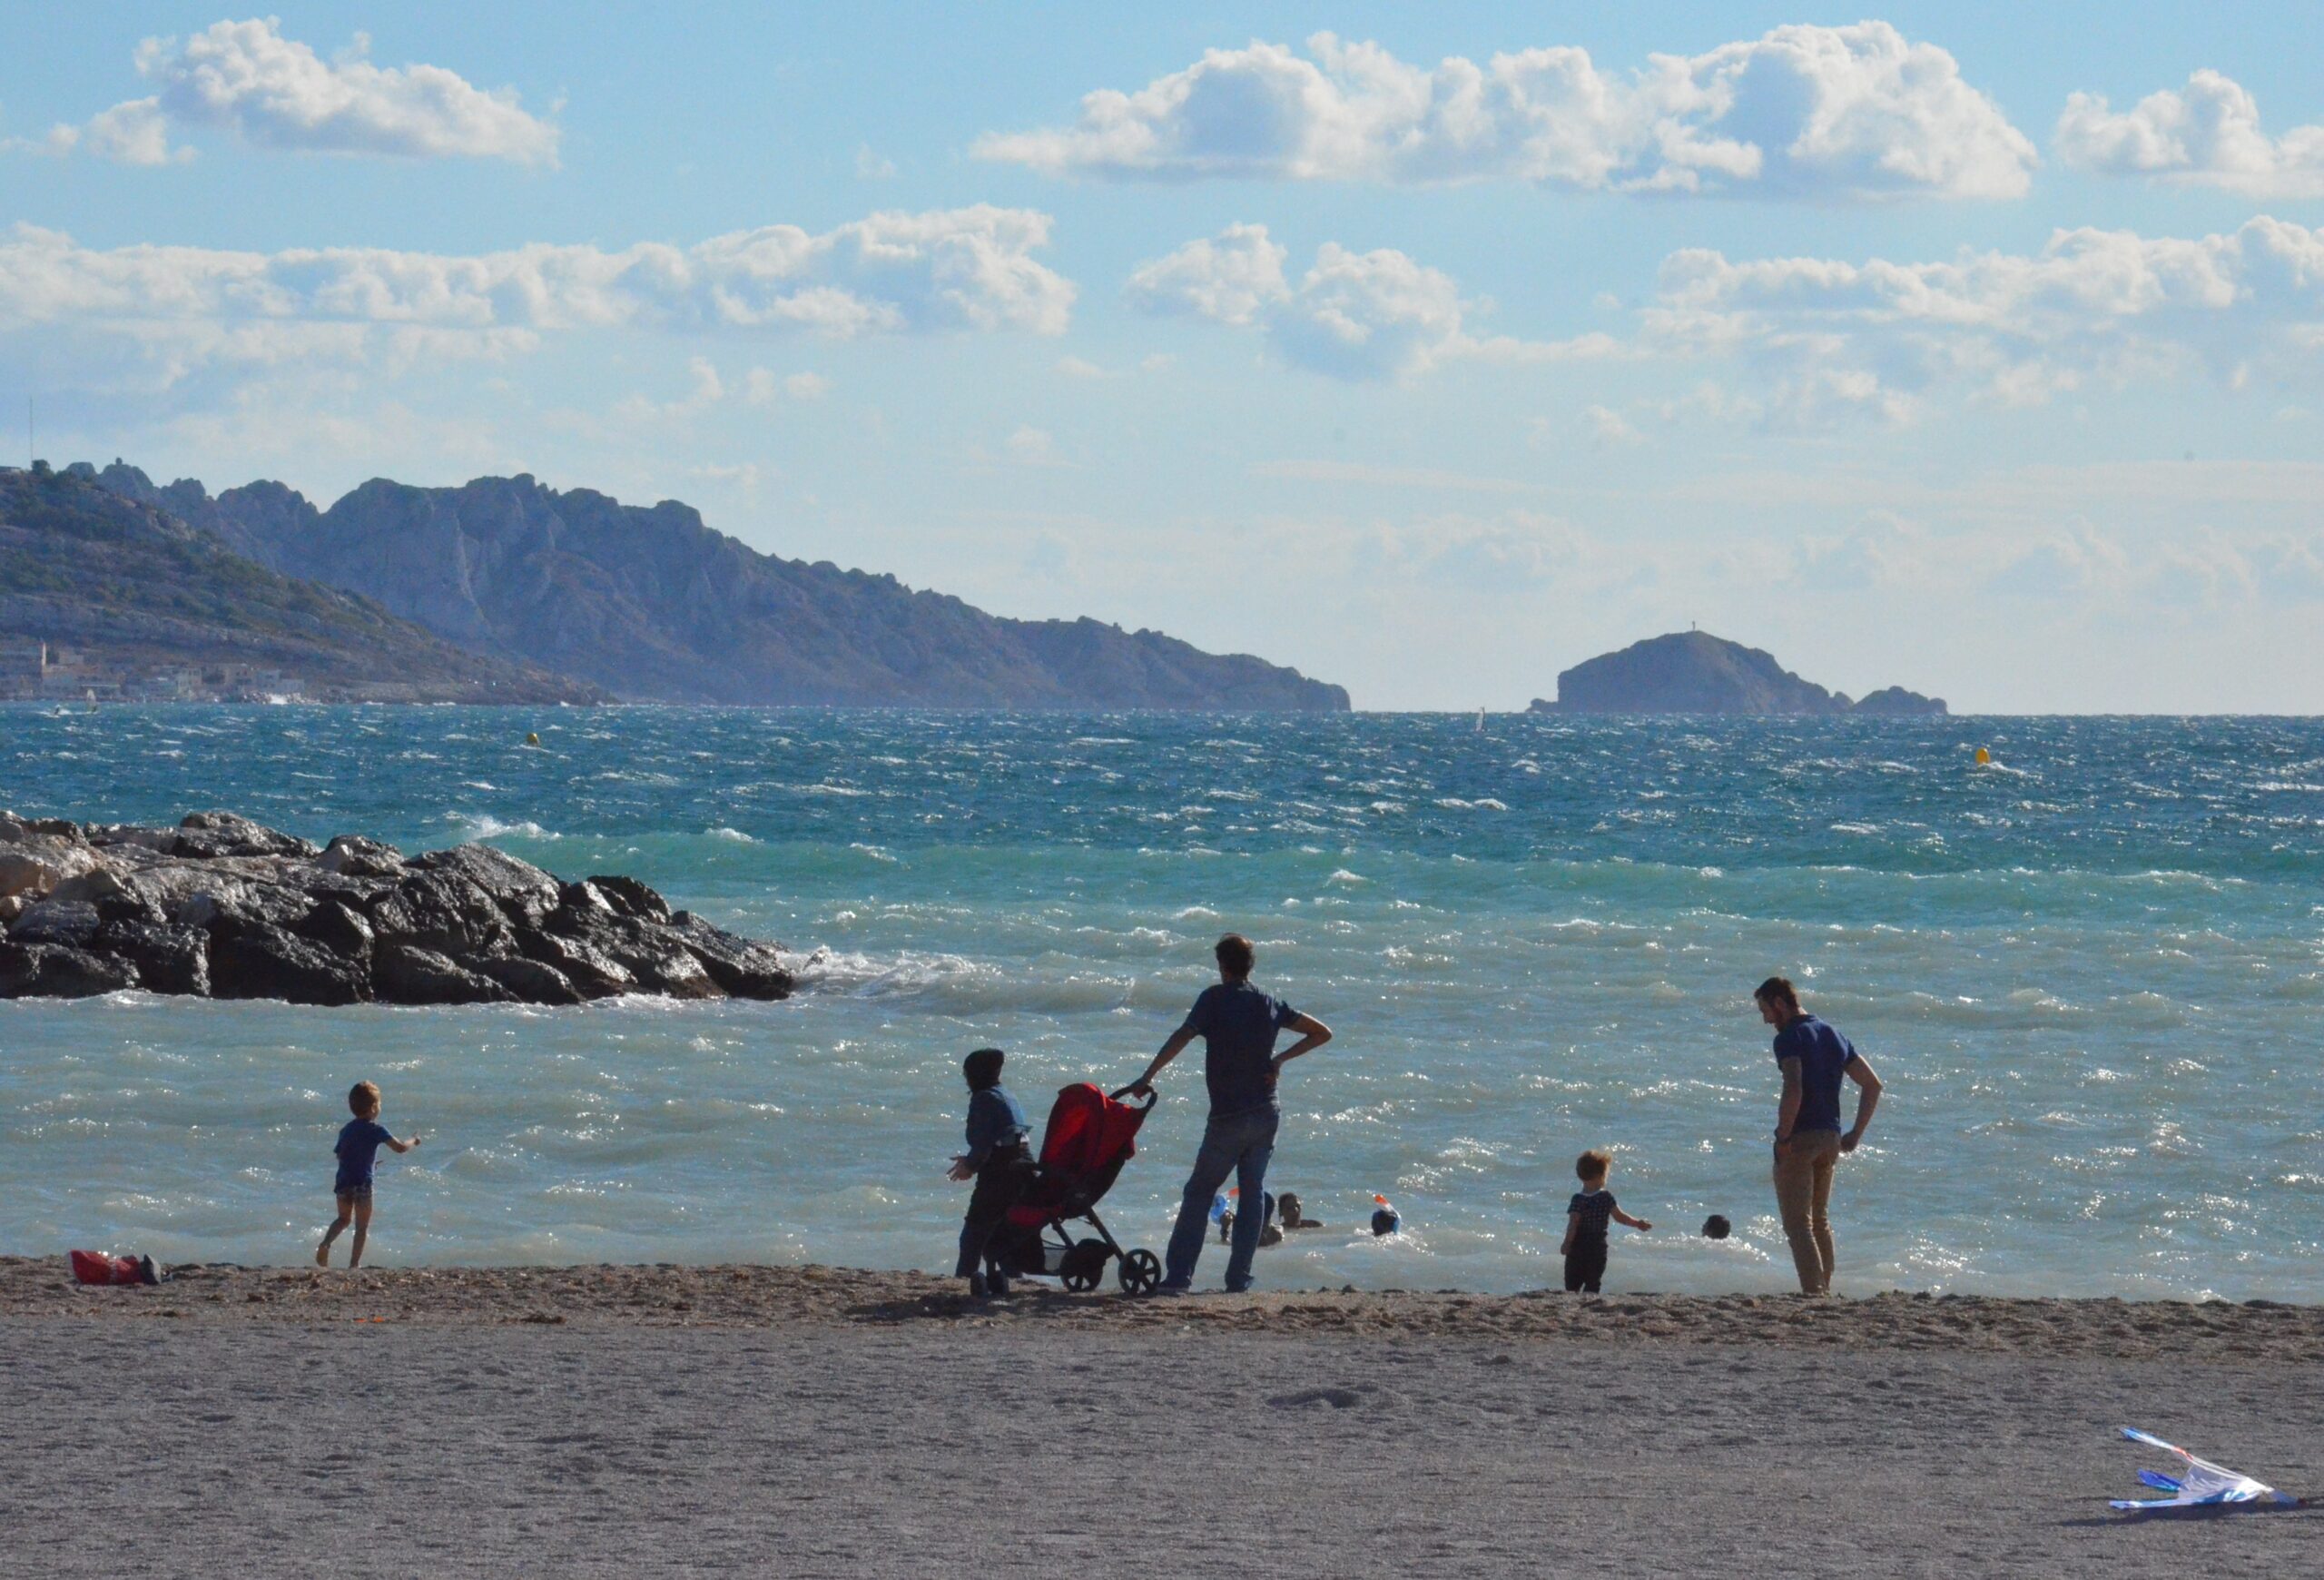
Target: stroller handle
1152, 1097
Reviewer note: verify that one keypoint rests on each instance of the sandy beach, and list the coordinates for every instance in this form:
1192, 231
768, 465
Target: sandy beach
810, 1421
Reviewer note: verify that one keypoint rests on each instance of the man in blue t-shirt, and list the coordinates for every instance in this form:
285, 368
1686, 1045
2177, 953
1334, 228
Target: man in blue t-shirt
1237, 1024
1813, 1057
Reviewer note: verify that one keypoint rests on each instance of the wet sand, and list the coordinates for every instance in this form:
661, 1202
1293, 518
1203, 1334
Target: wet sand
822, 1421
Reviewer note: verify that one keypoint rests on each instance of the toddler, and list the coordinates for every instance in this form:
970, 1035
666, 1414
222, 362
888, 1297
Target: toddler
1585, 1223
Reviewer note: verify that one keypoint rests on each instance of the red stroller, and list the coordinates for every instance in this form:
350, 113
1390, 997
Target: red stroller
1090, 1137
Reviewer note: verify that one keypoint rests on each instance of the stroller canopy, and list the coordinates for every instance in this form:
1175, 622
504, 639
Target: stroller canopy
1090, 1137
1088, 1131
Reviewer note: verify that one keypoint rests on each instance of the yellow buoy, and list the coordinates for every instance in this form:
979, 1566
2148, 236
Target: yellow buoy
1985, 757
532, 738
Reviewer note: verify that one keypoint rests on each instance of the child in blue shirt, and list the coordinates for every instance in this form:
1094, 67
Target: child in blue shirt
999, 1161
1585, 1223
360, 1140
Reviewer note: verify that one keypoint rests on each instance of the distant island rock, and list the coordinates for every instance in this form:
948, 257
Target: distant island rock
223, 907
1899, 703
1695, 672
104, 596
652, 604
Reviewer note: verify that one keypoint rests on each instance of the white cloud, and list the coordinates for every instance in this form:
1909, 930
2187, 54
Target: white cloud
2207, 134
1857, 111
277, 93
1366, 475
1520, 552
1828, 336
871, 166
708, 390
135, 133
1033, 447
1080, 367
1607, 426
274, 91
744, 475
957, 270
763, 388
1232, 280
1353, 315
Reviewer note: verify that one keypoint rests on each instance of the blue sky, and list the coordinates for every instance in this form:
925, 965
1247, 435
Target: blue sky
1974, 350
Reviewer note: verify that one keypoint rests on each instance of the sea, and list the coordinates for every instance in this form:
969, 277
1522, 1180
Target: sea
2091, 972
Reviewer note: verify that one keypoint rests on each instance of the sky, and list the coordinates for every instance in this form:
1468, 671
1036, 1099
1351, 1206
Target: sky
1431, 349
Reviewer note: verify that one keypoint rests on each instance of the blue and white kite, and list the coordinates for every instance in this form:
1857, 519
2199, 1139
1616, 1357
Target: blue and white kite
2199, 1484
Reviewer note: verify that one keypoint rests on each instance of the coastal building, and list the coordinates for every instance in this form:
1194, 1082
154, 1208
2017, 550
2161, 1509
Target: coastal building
32, 669
23, 663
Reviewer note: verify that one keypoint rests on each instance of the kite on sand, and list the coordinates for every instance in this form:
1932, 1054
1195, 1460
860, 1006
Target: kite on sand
2200, 1482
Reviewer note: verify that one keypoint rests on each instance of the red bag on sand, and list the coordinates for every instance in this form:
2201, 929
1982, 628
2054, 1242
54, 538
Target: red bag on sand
90, 1268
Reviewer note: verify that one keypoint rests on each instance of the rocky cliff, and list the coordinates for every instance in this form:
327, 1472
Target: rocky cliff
652, 604
128, 584
1695, 672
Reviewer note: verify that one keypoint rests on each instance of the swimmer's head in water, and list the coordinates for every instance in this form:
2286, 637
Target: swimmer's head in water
1385, 1221
983, 1068
1592, 1166
1236, 957
1717, 1226
1289, 1205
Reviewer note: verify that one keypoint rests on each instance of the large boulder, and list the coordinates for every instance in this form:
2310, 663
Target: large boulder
594, 973
743, 969
169, 960
204, 835
340, 929
659, 962
628, 897
357, 857
586, 902
442, 912
525, 894
531, 980
131, 836
69, 923
13, 828
113, 890
254, 960
51, 971
404, 974
34, 862
228, 904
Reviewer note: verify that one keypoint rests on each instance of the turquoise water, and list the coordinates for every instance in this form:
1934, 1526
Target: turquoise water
2092, 975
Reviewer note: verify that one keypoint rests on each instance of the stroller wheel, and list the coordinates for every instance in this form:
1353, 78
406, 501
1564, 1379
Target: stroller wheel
1141, 1272
1083, 1266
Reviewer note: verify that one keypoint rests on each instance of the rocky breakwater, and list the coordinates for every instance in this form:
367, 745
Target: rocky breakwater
222, 908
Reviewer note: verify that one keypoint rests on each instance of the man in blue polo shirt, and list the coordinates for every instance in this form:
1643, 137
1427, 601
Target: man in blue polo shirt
1808, 1140
1237, 1024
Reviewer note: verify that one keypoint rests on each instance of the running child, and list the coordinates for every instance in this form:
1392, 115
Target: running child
1585, 1223
360, 1140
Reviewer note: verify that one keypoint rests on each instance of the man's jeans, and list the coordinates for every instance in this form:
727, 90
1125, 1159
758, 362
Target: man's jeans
1242, 1144
1804, 1197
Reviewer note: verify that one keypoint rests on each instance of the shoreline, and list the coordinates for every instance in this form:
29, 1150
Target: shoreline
2255, 1333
